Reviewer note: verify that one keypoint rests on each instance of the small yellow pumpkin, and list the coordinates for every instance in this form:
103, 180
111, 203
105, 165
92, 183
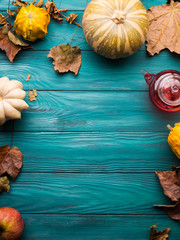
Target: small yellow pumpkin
174, 139
31, 23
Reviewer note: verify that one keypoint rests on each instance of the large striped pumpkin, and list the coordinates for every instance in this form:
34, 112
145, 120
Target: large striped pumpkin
115, 28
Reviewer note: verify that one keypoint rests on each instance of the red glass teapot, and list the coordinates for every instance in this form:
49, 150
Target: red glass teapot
164, 89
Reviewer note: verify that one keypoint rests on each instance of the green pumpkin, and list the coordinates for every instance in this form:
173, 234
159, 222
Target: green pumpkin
115, 28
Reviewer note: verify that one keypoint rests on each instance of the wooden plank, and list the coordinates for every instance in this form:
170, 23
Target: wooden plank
106, 111
88, 227
85, 193
96, 73
93, 152
80, 4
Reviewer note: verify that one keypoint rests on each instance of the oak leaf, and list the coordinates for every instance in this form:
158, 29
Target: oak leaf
4, 184
158, 235
10, 43
10, 161
66, 58
170, 182
164, 28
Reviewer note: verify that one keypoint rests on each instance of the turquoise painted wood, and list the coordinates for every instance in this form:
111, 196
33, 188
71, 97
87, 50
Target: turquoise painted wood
88, 227
92, 152
91, 143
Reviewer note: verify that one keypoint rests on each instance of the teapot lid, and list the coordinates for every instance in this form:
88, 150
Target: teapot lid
168, 88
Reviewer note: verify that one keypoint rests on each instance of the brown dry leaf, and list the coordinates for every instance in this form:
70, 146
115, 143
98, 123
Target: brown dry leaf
10, 43
34, 2
11, 13
158, 235
28, 77
164, 28
10, 161
40, 3
71, 18
35, 92
170, 182
66, 58
2, 19
173, 211
32, 95
54, 12
4, 184
20, 3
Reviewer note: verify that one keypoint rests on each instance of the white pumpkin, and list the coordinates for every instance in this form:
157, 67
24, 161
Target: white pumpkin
115, 28
11, 100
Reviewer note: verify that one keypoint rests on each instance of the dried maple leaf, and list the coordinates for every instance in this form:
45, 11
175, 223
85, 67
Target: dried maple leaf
4, 184
173, 211
10, 43
28, 77
164, 28
158, 235
32, 95
66, 58
170, 182
20, 3
2, 19
71, 18
10, 161
40, 3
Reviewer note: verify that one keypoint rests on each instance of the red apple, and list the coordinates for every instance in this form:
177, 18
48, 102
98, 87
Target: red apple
11, 224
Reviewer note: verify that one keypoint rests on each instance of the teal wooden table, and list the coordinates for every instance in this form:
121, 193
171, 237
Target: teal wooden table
91, 143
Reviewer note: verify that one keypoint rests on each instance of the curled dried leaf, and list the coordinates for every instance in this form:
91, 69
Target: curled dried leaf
66, 58
173, 211
54, 12
32, 95
17, 41
20, 3
158, 235
35, 92
40, 3
164, 28
4, 184
10, 161
71, 18
2, 19
28, 77
11, 13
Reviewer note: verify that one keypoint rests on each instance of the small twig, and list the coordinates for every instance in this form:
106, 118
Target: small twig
169, 127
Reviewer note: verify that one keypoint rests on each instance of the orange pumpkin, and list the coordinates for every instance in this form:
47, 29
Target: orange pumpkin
31, 23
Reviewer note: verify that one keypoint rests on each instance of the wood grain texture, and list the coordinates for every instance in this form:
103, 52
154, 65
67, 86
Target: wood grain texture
80, 4
104, 111
93, 152
85, 193
96, 73
88, 227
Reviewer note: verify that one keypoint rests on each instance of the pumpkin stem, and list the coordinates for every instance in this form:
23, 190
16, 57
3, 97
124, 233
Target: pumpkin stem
169, 127
119, 18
